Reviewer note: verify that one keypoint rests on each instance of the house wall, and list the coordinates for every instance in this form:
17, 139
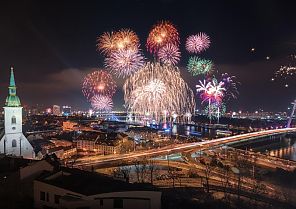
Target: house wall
130, 199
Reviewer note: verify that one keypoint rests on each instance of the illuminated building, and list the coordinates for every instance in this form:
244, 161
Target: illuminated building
13, 141
56, 110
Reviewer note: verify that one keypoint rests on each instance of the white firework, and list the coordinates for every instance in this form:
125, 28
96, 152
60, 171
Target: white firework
124, 62
102, 103
156, 88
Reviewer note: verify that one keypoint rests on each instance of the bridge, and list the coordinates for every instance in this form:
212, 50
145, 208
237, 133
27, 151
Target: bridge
176, 148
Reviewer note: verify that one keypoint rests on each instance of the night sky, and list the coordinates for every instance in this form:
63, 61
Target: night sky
52, 45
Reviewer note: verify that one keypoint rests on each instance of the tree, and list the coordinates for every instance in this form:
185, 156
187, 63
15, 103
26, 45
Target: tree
151, 168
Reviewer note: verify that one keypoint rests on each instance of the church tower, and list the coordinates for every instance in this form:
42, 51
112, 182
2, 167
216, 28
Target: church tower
13, 141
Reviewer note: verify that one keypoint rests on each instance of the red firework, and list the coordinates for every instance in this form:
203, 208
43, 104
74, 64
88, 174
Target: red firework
99, 82
169, 54
161, 34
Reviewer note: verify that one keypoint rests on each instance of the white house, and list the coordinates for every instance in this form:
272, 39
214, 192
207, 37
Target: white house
13, 141
77, 189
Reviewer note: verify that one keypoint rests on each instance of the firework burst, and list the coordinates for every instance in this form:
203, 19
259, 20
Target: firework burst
230, 85
197, 66
169, 54
126, 39
106, 43
285, 74
99, 82
212, 92
198, 43
109, 42
216, 110
102, 103
124, 62
161, 34
156, 88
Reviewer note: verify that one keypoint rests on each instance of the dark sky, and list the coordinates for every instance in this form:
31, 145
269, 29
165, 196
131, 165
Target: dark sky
51, 44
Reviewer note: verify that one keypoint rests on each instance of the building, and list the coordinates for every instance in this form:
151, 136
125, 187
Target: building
77, 189
103, 142
61, 152
56, 110
66, 110
70, 126
13, 141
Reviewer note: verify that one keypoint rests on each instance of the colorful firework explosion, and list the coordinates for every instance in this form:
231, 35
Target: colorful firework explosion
198, 43
98, 82
230, 85
169, 54
197, 66
124, 62
109, 42
106, 43
126, 39
101, 103
216, 110
161, 34
156, 88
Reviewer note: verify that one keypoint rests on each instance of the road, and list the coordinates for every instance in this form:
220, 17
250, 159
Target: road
176, 148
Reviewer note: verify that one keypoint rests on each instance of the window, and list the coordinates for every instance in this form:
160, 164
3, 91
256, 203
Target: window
57, 199
118, 203
47, 197
42, 196
13, 120
101, 202
13, 143
85, 207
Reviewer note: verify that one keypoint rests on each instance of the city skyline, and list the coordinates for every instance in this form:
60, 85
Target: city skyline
51, 53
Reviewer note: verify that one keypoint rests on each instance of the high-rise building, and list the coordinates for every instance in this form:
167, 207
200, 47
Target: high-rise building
66, 110
13, 141
56, 110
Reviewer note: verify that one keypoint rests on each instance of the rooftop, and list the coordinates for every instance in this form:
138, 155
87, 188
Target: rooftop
88, 183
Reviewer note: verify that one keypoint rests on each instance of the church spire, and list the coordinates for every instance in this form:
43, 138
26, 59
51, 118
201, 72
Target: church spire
12, 82
12, 100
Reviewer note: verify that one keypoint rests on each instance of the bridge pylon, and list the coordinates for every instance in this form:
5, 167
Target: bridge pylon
292, 114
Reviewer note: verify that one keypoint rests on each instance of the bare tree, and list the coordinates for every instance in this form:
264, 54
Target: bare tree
143, 169
152, 169
126, 173
138, 169
208, 168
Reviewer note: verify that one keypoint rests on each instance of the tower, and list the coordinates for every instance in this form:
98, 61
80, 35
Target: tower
292, 114
13, 141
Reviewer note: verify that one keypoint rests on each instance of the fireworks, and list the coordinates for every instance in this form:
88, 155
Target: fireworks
230, 85
122, 39
161, 34
216, 110
169, 54
285, 74
212, 92
126, 39
124, 62
99, 82
197, 66
106, 43
197, 43
102, 103
156, 88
